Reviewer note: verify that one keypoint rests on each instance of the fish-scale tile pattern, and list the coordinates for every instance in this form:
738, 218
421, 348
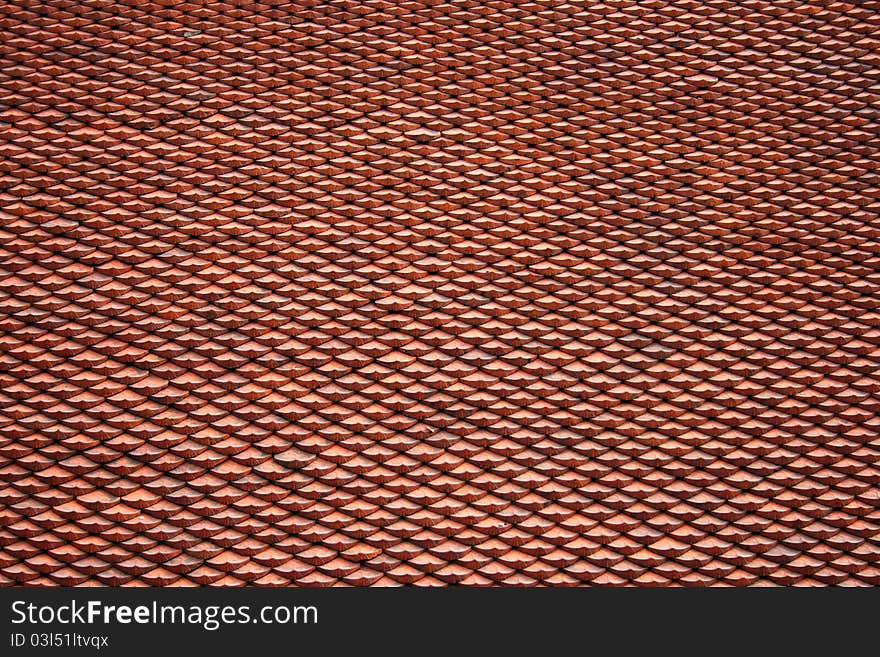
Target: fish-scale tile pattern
471, 292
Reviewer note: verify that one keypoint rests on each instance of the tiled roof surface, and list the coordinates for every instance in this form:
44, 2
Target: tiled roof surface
427, 293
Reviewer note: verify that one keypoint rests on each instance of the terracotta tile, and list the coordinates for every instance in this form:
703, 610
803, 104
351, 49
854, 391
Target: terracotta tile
505, 332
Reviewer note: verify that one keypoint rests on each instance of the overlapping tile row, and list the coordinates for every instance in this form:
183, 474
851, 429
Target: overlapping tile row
477, 292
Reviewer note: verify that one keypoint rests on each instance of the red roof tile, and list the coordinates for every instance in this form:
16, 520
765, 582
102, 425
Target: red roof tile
293, 294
